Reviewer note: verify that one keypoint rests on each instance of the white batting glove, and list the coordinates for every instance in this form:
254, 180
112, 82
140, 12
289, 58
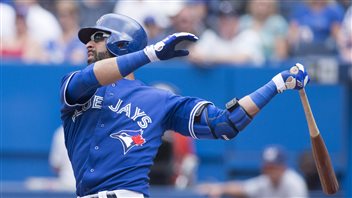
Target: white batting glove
295, 78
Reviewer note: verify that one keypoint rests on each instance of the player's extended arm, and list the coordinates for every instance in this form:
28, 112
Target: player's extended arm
109, 70
84, 83
212, 122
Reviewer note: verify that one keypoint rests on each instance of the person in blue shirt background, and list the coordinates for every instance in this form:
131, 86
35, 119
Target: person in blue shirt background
314, 27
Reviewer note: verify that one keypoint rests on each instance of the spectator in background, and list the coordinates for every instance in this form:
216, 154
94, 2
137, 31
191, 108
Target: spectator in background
42, 25
59, 161
314, 27
345, 4
67, 48
213, 10
140, 10
345, 39
162, 171
309, 170
228, 44
175, 163
91, 10
21, 45
154, 29
161, 18
272, 28
152, 15
64, 179
199, 12
7, 19
285, 8
186, 19
276, 180
185, 161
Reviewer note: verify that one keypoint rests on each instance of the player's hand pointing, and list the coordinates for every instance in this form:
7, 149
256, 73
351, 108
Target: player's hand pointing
295, 78
165, 49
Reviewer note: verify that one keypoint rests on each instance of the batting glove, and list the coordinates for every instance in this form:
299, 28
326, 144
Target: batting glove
295, 78
165, 49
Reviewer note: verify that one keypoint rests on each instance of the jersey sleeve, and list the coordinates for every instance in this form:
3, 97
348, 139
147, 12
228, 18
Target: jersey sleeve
64, 83
181, 113
66, 108
78, 87
74, 92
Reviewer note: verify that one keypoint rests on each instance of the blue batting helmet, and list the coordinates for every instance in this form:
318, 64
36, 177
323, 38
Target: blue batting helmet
126, 34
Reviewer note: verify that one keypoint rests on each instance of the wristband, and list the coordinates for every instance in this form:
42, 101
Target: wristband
130, 62
150, 51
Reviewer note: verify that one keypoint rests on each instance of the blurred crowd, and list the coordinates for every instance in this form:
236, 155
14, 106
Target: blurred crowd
252, 32
234, 32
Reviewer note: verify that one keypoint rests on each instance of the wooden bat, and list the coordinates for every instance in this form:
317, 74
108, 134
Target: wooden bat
321, 156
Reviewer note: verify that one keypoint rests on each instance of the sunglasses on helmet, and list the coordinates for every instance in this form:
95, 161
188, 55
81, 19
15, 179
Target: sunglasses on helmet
99, 36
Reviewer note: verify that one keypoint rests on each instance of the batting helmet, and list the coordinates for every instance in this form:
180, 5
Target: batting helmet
126, 34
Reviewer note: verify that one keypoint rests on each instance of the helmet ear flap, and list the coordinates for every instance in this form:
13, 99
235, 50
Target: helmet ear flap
117, 47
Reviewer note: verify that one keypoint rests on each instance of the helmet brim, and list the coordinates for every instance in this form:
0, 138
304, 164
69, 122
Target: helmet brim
84, 34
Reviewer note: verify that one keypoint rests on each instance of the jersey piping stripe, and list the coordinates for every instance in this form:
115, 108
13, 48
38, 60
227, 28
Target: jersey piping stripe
192, 115
67, 81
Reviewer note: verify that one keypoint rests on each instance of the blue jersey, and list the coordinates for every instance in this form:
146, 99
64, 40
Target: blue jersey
319, 22
113, 138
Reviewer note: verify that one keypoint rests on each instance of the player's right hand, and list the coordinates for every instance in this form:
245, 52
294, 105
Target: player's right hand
165, 49
295, 78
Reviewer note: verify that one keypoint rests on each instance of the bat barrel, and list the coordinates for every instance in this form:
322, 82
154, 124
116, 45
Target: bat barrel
326, 172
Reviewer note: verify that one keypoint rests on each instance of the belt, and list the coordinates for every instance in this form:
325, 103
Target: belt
115, 194
108, 195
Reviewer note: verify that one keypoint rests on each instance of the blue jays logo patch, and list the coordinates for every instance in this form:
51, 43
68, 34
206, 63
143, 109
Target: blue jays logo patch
129, 138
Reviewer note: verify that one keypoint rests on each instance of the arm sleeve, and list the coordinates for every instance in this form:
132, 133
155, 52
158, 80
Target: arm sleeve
181, 113
78, 87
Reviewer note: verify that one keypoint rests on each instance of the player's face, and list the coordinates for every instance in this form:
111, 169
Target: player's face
97, 48
274, 172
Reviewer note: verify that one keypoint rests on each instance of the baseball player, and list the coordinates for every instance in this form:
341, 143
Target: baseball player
113, 125
276, 180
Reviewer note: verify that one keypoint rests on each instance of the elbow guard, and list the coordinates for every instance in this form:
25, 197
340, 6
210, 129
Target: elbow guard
214, 123
237, 114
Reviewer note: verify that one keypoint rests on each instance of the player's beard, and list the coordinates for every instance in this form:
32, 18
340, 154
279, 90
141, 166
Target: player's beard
99, 56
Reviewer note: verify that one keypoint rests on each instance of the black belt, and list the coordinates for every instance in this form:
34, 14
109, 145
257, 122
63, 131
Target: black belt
107, 195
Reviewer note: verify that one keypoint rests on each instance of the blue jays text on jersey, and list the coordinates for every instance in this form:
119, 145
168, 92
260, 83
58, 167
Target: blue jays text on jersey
96, 103
113, 137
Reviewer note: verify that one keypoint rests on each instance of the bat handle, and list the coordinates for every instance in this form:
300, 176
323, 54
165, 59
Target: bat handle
313, 129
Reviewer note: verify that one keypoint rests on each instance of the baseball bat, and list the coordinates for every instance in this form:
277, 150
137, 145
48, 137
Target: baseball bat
321, 156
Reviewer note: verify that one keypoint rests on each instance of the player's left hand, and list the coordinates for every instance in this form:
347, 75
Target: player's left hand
295, 78
165, 49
